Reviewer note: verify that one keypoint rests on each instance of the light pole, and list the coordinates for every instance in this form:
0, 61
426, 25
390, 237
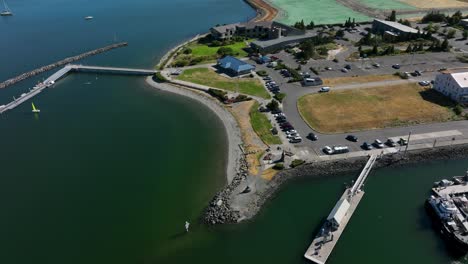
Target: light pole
407, 143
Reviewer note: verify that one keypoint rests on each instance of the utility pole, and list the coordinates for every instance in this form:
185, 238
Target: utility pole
407, 143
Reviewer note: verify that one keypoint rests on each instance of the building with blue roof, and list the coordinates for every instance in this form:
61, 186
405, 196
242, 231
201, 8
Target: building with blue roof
235, 66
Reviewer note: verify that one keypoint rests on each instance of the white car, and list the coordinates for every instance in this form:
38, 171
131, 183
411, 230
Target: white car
280, 114
324, 89
328, 150
291, 132
378, 143
293, 135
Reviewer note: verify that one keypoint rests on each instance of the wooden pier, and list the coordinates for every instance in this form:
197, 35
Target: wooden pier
322, 245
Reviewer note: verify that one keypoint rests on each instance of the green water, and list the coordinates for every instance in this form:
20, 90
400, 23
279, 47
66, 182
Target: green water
319, 11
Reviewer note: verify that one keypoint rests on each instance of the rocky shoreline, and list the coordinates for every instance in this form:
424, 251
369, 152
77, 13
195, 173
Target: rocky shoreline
222, 212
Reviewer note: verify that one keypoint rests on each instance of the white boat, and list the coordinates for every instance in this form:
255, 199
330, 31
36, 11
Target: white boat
88, 17
34, 109
6, 11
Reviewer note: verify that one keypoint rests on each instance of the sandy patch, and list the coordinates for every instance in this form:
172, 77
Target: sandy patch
435, 3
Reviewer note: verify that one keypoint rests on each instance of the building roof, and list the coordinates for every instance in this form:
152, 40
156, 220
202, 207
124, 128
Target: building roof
398, 26
339, 211
289, 39
461, 78
234, 64
224, 28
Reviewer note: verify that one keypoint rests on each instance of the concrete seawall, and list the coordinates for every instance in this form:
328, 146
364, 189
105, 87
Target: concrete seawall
26, 75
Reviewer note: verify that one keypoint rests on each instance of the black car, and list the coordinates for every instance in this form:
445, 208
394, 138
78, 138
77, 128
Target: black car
390, 142
348, 67
396, 66
282, 121
285, 124
352, 138
312, 136
367, 146
276, 111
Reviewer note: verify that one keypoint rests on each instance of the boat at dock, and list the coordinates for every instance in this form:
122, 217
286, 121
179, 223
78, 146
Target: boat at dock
448, 206
6, 11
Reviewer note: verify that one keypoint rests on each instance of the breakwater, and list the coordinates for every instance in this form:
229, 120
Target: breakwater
250, 207
65, 61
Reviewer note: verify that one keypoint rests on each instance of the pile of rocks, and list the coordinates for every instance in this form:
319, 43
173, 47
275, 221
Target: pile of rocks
219, 210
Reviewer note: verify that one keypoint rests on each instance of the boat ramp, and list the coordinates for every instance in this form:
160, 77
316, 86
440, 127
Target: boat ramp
63, 72
323, 244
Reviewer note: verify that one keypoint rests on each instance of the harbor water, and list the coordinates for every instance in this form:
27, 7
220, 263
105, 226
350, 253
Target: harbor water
111, 169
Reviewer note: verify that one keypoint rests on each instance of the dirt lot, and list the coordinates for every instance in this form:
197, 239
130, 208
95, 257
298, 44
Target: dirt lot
435, 3
253, 145
359, 79
371, 108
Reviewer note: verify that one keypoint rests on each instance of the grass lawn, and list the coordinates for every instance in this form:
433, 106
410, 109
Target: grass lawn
370, 108
359, 79
262, 126
208, 77
205, 50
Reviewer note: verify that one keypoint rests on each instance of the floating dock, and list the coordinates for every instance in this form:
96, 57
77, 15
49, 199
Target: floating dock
64, 71
322, 245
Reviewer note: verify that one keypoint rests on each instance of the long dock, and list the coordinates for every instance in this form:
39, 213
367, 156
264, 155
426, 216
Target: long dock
322, 245
63, 72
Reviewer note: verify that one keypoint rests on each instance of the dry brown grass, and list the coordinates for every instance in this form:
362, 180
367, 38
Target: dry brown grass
358, 79
370, 108
269, 174
435, 3
253, 145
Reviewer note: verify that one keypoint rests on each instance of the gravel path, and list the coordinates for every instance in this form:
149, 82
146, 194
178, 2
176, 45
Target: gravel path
231, 128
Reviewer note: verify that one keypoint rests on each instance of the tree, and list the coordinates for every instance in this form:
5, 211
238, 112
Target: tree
392, 16
273, 105
223, 51
409, 49
187, 51
465, 34
445, 45
375, 50
311, 25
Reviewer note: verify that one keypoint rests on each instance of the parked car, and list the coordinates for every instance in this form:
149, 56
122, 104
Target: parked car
366, 146
328, 68
376, 65
312, 136
328, 150
390, 142
352, 138
280, 114
335, 150
424, 83
295, 140
378, 144
277, 111
396, 66
291, 132
293, 135
305, 74
344, 70
267, 78
324, 89
347, 66
403, 142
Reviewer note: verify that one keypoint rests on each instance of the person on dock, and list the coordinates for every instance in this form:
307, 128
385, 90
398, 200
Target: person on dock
187, 225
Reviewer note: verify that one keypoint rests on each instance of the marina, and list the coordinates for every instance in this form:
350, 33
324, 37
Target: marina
63, 72
322, 246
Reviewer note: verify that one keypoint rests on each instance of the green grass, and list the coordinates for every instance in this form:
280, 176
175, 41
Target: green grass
387, 4
208, 77
262, 126
204, 50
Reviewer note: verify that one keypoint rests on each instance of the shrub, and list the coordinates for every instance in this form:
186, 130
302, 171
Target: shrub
458, 109
279, 96
219, 94
225, 51
242, 98
187, 51
262, 73
296, 163
278, 166
159, 77
273, 105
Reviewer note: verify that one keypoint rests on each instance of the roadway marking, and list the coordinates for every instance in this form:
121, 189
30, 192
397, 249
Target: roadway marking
447, 133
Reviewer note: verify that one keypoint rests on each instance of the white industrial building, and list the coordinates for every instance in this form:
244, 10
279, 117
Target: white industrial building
453, 85
338, 213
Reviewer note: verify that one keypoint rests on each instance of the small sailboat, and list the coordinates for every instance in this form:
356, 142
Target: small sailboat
34, 109
88, 17
6, 11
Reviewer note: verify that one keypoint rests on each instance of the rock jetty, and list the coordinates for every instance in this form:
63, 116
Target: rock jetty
60, 63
